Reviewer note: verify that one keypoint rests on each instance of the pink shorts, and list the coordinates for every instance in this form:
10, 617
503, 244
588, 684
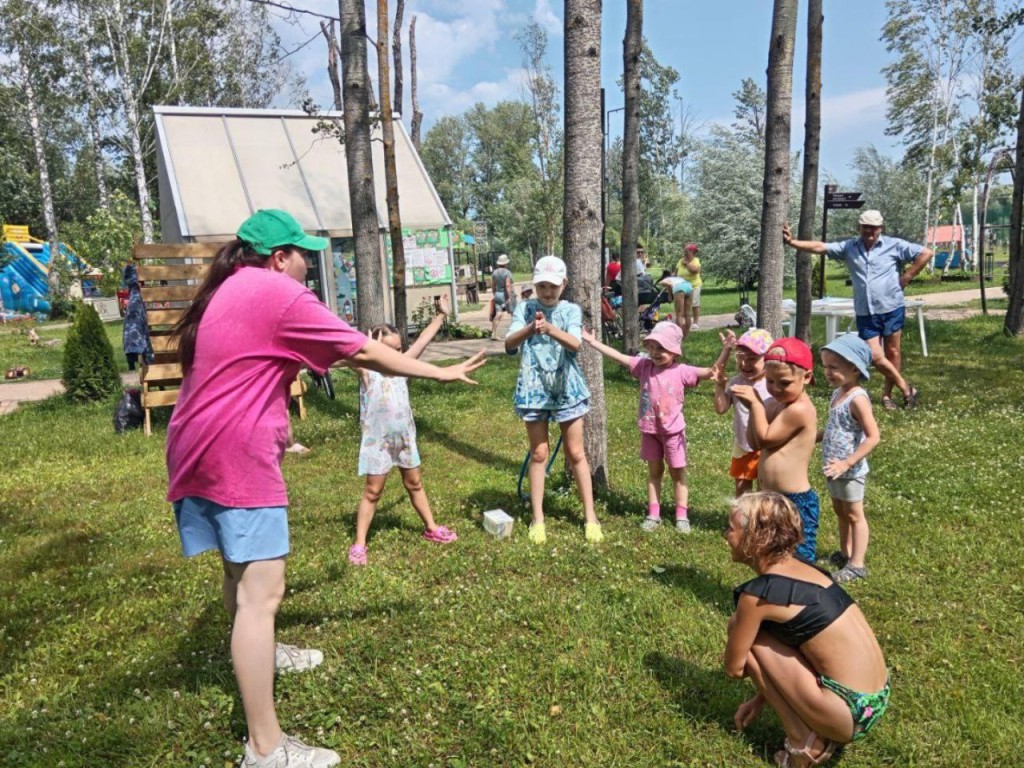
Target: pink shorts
670, 448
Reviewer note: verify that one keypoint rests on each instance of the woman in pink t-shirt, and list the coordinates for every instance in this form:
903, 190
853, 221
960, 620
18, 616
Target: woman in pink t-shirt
242, 341
663, 383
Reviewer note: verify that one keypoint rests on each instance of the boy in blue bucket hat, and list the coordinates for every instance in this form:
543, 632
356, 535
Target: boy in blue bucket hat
850, 435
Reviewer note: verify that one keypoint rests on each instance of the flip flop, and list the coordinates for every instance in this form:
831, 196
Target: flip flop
889, 404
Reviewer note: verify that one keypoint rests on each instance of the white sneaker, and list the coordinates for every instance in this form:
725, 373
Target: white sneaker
291, 753
289, 658
683, 525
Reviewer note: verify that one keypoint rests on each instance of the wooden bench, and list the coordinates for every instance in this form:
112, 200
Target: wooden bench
171, 274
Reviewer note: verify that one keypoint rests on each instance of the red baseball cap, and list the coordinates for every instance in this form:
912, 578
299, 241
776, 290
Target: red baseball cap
791, 350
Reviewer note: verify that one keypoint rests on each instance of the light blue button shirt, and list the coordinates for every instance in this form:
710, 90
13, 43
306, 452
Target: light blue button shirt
550, 378
875, 275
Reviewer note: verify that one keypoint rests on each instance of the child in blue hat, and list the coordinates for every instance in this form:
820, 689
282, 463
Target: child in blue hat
850, 435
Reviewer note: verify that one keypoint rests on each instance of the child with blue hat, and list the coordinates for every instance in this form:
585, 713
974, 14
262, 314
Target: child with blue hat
850, 435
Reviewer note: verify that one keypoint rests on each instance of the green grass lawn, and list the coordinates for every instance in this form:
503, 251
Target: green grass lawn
46, 362
114, 649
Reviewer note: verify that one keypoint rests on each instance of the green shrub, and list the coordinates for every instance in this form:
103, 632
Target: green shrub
89, 370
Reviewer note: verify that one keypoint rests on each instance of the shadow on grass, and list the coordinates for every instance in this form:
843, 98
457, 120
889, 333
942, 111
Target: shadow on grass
707, 695
700, 584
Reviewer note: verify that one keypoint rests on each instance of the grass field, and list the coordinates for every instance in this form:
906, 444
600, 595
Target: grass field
46, 362
114, 649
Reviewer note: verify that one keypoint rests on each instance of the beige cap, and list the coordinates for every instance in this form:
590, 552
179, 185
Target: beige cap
871, 219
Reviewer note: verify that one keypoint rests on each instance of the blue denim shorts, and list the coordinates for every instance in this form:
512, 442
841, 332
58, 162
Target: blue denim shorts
565, 414
240, 534
885, 324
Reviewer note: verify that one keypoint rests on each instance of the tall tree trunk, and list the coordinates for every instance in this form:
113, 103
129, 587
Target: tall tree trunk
396, 50
359, 160
631, 48
332, 62
391, 172
35, 126
417, 116
92, 109
774, 209
582, 206
1013, 325
124, 74
809, 190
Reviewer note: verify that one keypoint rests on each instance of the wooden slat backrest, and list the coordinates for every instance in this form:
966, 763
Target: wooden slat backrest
174, 273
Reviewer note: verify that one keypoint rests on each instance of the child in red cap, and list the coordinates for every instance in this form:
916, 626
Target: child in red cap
786, 432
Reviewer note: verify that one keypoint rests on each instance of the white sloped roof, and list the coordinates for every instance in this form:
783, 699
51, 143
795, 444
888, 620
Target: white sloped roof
218, 166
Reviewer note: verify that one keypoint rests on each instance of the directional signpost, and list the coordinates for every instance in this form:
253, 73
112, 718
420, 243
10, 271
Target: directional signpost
834, 201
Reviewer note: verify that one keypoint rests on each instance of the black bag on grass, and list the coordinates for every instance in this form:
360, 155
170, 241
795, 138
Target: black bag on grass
128, 414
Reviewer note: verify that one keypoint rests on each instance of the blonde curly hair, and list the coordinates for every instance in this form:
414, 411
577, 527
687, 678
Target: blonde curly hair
771, 526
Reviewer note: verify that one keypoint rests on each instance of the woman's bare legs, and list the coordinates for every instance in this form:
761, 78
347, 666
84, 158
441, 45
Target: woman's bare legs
252, 595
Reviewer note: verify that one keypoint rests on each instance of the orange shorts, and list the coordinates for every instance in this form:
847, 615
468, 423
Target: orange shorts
745, 467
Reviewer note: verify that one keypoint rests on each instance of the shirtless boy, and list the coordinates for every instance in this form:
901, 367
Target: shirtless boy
786, 431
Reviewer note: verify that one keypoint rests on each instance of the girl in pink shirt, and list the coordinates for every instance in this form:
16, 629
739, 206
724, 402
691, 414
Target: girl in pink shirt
663, 383
251, 327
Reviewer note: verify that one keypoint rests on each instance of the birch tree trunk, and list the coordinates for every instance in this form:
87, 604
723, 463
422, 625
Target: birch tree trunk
359, 160
417, 116
582, 206
92, 108
631, 48
775, 207
396, 51
809, 190
45, 190
1013, 325
391, 173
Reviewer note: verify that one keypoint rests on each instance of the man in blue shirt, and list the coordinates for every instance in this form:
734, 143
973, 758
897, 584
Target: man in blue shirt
873, 260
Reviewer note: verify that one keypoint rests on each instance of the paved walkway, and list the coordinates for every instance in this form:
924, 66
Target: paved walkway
942, 306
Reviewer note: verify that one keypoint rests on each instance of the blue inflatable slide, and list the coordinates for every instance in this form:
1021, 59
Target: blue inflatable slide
24, 271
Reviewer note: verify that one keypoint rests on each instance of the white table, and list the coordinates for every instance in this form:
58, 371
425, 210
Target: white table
832, 309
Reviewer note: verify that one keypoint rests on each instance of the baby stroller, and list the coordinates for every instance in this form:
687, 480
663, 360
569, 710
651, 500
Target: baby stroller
649, 314
746, 318
610, 325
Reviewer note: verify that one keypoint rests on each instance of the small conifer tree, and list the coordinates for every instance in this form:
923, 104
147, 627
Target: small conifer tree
89, 370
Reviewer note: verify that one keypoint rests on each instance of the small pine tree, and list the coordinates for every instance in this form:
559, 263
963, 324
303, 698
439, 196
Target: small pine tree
89, 370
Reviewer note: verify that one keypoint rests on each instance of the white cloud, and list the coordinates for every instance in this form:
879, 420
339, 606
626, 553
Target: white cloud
441, 99
547, 18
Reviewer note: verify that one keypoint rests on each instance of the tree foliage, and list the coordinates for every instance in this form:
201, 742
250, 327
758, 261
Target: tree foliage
89, 370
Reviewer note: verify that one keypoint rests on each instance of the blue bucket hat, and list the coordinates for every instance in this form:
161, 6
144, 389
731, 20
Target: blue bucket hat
853, 350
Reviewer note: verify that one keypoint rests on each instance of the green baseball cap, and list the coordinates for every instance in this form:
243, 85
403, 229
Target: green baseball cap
268, 229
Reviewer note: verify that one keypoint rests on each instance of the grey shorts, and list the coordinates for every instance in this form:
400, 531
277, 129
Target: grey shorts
847, 490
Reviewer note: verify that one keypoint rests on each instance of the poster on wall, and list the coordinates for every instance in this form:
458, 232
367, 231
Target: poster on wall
343, 257
426, 256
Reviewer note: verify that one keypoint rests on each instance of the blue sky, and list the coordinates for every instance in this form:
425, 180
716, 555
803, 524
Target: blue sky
467, 53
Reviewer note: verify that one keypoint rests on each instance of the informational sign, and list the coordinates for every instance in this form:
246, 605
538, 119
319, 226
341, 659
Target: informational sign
426, 256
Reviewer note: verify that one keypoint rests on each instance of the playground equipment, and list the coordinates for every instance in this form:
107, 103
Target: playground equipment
25, 269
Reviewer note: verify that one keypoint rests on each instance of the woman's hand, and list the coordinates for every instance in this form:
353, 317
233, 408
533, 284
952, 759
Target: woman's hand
748, 712
461, 371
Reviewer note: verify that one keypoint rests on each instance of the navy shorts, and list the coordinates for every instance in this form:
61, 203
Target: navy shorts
885, 324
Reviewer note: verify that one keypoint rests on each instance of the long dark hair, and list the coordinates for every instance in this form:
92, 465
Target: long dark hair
233, 255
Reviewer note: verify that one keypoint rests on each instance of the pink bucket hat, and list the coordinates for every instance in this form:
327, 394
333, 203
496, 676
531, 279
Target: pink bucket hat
757, 340
668, 335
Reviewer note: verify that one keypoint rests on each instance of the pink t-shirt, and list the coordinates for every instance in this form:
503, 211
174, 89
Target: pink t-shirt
229, 430
661, 395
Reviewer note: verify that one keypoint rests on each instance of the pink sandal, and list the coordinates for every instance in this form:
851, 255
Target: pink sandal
357, 555
441, 535
783, 758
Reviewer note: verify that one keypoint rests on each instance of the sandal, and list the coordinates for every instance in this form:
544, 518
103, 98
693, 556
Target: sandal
889, 404
909, 401
440, 535
357, 555
650, 524
783, 758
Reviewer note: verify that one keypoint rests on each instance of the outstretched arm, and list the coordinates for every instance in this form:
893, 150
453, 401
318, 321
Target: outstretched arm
427, 334
812, 246
380, 357
610, 352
